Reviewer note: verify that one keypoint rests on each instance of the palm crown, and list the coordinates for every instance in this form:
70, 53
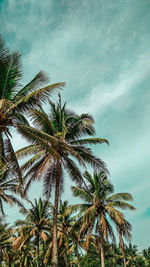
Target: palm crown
100, 202
57, 140
9, 188
35, 226
15, 99
100, 208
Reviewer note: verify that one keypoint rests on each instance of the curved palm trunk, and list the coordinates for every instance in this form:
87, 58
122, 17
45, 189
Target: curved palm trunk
55, 247
122, 249
102, 251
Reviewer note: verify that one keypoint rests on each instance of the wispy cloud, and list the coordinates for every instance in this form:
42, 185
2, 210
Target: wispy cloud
102, 95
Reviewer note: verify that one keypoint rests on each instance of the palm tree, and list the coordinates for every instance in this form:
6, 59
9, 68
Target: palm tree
124, 230
56, 140
65, 223
5, 243
146, 254
15, 100
99, 206
34, 226
8, 187
64, 227
24, 257
132, 252
76, 243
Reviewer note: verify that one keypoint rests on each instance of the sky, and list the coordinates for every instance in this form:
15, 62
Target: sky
101, 50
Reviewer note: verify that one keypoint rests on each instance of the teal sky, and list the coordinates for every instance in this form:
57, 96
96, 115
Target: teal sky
100, 48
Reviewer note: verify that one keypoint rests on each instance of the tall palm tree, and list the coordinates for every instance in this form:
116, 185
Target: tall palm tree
57, 139
15, 100
100, 207
64, 227
34, 226
124, 230
9, 186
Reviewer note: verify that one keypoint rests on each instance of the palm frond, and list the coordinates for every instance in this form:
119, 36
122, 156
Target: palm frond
54, 172
79, 207
90, 141
88, 177
82, 193
33, 134
11, 158
19, 118
34, 173
39, 80
15, 201
115, 214
49, 181
26, 151
88, 157
73, 170
41, 120
4, 52
122, 205
31, 161
10, 74
79, 125
36, 97
120, 196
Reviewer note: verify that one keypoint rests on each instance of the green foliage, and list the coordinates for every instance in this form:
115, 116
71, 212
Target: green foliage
91, 258
15, 100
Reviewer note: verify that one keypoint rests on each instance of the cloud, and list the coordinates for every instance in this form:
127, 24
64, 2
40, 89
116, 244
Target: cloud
101, 96
61, 39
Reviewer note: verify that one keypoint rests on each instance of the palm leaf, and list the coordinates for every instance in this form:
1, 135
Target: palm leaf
31, 161
120, 196
41, 120
11, 157
36, 97
10, 75
26, 151
39, 80
82, 193
90, 141
88, 157
121, 205
73, 170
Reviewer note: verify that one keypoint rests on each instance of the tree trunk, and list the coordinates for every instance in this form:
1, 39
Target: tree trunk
122, 249
102, 251
38, 244
55, 247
